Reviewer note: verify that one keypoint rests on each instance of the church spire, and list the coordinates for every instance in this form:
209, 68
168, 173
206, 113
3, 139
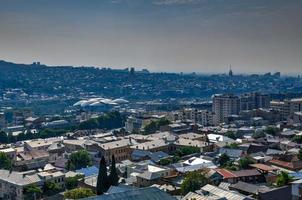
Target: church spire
230, 72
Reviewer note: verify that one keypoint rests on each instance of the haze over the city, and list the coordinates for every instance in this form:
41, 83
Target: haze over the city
160, 35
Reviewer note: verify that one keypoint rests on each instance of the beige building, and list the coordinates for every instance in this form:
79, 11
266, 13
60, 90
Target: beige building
152, 175
40, 144
203, 146
223, 106
202, 117
136, 123
34, 159
10, 152
120, 149
12, 184
287, 107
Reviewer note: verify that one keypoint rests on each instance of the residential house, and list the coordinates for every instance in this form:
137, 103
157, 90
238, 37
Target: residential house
152, 175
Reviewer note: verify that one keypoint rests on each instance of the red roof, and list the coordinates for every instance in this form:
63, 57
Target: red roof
225, 173
235, 174
288, 165
263, 167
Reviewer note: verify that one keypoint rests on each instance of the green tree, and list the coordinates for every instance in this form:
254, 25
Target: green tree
89, 124
78, 160
193, 181
231, 135
150, 128
231, 166
79, 193
223, 159
165, 161
283, 179
163, 122
154, 126
51, 188
258, 134
271, 130
300, 154
245, 162
175, 159
232, 146
113, 176
3, 137
102, 181
188, 150
32, 191
109, 120
5, 161
297, 138
72, 182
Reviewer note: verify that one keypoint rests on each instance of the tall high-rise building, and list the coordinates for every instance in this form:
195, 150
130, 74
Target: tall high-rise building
223, 106
254, 100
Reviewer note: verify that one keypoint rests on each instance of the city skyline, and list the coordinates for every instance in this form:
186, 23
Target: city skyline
160, 35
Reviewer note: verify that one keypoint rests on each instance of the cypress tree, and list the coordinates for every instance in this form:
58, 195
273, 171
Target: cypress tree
113, 177
102, 181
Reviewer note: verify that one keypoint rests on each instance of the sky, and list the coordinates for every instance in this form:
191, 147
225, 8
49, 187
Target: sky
205, 36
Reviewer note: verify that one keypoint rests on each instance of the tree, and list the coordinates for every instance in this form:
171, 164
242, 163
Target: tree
165, 161
231, 166
271, 130
258, 134
107, 121
32, 191
72, 182
283, 179
5, 161
231, 135
89, 124
223, 159
79, 160
78, 193
297, 138
193, 181
51, 188
232, 146
245, 162
150, 128
3, 137
188, 150
154, 126
102, 181
300, 154
113, 177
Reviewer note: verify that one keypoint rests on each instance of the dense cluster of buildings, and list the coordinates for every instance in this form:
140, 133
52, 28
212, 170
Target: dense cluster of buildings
251, 126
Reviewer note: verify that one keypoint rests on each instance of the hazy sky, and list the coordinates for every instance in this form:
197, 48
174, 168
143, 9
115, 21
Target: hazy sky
160, 35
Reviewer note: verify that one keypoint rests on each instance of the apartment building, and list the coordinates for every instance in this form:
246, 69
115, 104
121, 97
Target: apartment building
223, 106
254, 100
287, 107
121, 149
202, 117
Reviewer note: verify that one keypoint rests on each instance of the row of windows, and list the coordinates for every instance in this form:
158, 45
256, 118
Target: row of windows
122, 157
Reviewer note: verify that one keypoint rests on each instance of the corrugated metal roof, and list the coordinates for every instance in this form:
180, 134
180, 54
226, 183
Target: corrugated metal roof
222, 193
88, 171
149, 193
